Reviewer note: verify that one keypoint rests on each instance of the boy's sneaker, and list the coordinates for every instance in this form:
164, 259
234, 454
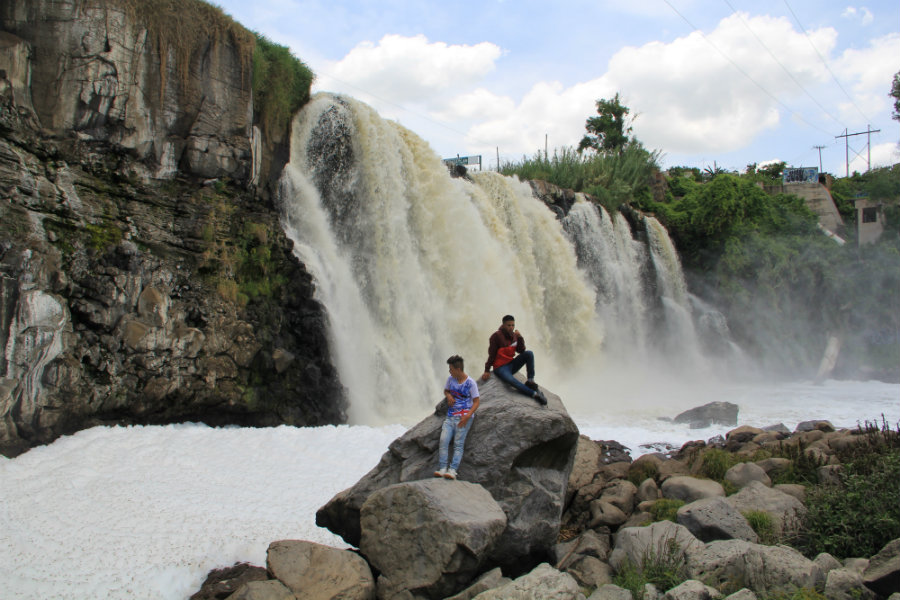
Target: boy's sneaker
540, 398
450, 474
532, 385
441, 472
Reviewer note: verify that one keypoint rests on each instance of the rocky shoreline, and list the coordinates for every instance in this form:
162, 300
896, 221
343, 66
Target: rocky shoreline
508, 529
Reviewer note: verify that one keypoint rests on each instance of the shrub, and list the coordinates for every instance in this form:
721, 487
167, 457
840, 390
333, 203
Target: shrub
665, 509
281, 85
861, 514
642, 471
714, 463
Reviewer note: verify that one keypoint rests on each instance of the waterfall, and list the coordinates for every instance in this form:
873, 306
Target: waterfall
414, 266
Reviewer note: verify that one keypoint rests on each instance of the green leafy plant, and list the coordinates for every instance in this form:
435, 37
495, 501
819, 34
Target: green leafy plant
861, 514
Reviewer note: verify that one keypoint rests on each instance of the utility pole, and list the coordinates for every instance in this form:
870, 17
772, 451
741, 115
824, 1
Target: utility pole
498, 159
869, 131
546, 157
820, 156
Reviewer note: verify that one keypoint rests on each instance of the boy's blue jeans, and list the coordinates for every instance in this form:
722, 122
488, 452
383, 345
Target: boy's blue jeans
451, 429
506, 372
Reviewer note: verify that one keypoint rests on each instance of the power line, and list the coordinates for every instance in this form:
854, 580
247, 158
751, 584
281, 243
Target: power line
744, 73
780, 64
824, 62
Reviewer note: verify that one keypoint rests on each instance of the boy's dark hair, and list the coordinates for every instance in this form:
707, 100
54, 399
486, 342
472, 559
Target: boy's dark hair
508, 318
455, 361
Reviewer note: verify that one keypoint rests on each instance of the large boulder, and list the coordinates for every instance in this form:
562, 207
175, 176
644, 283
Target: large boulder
521, 453
429, 537
543, 582
312, 570
712, 519
724, 413
883, 572
764, 569
785, 510
742, 474
690, 489
661, 539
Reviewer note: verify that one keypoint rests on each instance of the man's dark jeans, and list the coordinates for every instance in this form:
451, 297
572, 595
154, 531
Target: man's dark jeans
507, 371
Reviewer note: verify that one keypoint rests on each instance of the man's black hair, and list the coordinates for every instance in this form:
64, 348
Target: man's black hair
455, 361
507, 318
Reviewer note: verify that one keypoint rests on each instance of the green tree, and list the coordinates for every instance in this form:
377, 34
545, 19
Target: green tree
608, 132
895, 94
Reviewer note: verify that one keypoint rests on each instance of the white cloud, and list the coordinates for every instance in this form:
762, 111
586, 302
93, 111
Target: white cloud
548, 109
862, 13
411, 69
867, 74
685, 95
694, 99
883, 155
477, 104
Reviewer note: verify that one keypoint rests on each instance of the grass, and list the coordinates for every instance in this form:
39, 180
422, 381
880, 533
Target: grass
761, 522
614, 178
664, 567
665, 509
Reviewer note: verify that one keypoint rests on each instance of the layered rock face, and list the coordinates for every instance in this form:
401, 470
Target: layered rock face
97, 71
125, 298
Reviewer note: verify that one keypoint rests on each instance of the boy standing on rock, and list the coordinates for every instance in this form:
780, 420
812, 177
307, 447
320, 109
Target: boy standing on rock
462, 396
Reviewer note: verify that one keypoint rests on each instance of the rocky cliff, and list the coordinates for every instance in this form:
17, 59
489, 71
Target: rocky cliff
143, 278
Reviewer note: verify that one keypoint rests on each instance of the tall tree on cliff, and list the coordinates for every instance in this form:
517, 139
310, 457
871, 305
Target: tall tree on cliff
609, 131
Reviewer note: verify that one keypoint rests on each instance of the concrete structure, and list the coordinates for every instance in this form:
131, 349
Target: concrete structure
869, 220
819, 200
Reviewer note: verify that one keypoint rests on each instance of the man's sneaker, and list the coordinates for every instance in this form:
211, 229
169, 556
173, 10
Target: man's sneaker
531, 384
540, 398
441, 472
450, 474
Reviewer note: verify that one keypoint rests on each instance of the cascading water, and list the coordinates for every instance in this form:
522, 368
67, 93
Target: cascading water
414, 266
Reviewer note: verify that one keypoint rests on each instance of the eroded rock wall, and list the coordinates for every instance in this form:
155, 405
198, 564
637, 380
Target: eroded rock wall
97, 71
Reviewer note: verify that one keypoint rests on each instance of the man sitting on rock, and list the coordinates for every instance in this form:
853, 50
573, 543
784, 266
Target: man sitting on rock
504, 345
462, 396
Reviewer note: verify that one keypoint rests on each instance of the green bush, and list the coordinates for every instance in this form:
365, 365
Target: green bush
641, 471
715, 462
860, 515
281, 85
665, 509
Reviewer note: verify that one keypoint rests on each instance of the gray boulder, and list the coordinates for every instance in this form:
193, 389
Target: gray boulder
620, 493
521, 453
648, 490
827, 562
692, 590
542, 583
742, 594
587, 462
263, 590
488, 581
742, 474
663, 538
589, 543
611, 592
846, 584
765, 569
318, 571
883, 572
724, 413
590, 572
712, 519
429, 537
604, 514
784, 509
690, 489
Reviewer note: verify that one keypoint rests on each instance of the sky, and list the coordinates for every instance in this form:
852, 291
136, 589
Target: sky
709, 83
134, 513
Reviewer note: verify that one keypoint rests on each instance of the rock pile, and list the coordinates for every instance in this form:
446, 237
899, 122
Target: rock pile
548, 508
